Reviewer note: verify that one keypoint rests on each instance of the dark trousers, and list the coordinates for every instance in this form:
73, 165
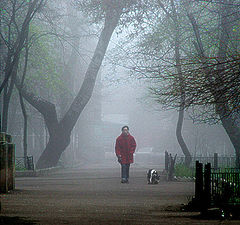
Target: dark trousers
125, 171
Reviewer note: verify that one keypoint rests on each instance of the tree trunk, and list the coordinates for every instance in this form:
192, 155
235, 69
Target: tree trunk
3, 53
25, 133
24, 130
188, 158
55, 147
13, 115
221, 105
6, 99
231, 128
11, 64
12, 60
180, 139
60, 131
8, 91
69, 69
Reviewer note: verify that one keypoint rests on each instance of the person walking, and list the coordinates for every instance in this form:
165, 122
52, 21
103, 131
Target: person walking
124, 148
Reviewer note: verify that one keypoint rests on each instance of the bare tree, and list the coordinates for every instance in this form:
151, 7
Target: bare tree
207, 75
223, 76
14, 40
60, 131
175, 18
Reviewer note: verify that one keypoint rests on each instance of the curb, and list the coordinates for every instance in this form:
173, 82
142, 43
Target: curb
37, 173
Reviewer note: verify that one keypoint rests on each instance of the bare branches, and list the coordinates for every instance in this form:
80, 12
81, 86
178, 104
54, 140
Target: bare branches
20, 38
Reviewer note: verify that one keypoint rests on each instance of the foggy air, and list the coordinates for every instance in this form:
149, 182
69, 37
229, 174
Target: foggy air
119, 112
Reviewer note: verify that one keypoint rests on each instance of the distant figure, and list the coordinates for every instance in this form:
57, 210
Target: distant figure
124, 149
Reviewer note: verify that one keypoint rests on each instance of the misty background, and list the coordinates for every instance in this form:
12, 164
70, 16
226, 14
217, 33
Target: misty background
61, 42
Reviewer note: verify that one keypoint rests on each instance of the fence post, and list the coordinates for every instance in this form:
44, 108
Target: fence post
207, 185
166, 161
8, 138
3, 167
238, 161
2, 137
30, 165
11, 166
215, 161
199, 181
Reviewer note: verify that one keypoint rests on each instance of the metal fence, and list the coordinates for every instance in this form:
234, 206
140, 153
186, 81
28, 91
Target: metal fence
216, 161
225, 185
216, 187
21, 165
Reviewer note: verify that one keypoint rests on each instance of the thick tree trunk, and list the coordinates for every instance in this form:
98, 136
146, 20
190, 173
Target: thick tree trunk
222, 107
231, 128
8, 89
55, 147
86, 90
69, 69
60, 131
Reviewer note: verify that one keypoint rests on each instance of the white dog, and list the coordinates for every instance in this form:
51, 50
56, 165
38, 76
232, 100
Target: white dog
152, 176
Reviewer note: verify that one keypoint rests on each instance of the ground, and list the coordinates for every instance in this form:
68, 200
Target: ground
94, 195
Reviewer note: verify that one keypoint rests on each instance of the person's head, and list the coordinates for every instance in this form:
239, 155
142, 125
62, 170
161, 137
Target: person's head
125, 130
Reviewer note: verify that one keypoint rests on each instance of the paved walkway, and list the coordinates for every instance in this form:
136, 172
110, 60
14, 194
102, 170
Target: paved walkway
94, 195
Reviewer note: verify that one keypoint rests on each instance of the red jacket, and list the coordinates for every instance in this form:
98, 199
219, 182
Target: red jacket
125, 147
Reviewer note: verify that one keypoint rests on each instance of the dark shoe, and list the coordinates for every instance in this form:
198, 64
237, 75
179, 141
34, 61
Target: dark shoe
123, 181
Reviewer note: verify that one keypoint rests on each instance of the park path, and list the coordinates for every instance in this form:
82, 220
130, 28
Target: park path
93, 194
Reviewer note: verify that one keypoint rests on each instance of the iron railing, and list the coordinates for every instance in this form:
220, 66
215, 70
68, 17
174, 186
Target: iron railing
217, 187
225, 185
21, 164
221, 161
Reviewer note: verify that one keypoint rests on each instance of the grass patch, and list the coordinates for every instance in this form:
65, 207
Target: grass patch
19, 168
183, 171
